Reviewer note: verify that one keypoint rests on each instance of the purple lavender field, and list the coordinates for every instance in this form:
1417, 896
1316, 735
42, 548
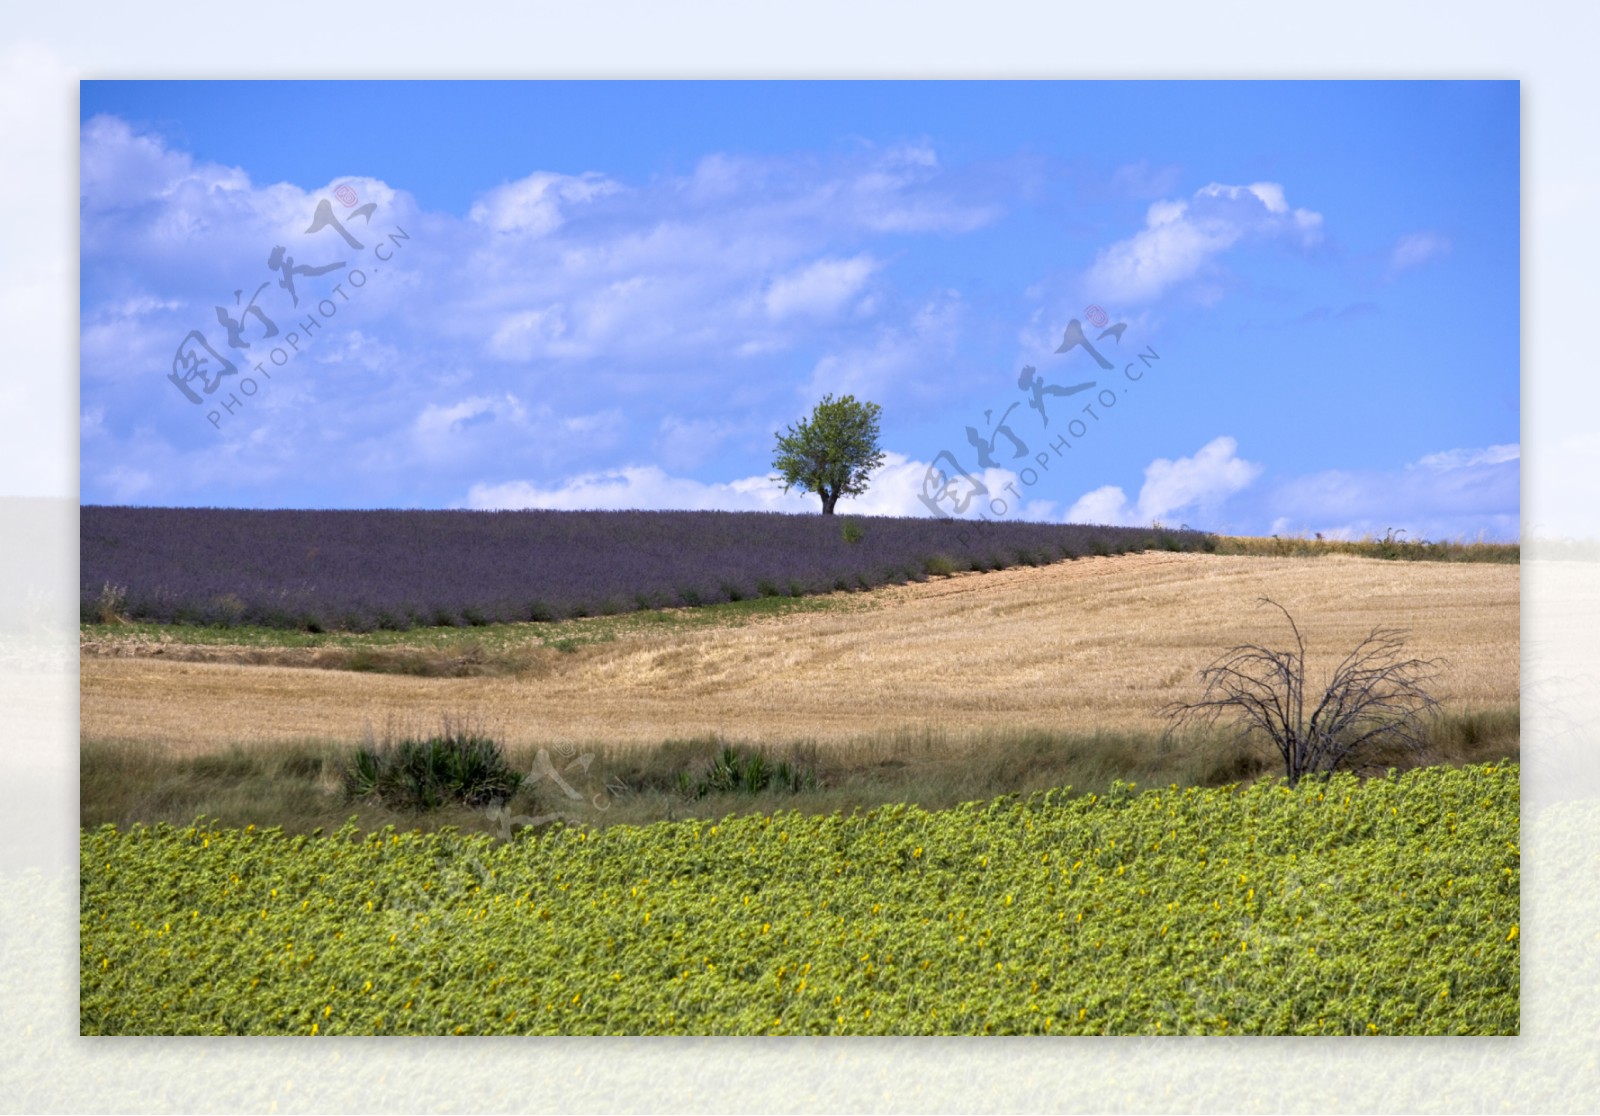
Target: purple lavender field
361, 570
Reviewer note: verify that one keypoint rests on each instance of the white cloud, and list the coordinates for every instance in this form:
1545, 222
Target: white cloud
523, 335
894, 361
819, 288
118, 338
893, 490
894, 196
437, 427
1415, 249
538, 204
127, 483
603, 426
720, 175
1107, 504
1467, 458
118, 163
1182, 237
1457, 493
1199, 483
640, 486
685, 443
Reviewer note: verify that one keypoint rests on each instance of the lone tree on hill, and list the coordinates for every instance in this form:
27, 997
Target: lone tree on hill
833, 452
1375, 703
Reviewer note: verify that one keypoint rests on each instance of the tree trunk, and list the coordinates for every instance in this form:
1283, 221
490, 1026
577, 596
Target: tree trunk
828, 500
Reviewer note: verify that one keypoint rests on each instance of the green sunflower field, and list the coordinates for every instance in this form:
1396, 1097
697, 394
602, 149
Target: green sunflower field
1343, 907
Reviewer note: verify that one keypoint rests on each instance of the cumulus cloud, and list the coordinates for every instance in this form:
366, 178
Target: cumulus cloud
1171, 488
724, 294
539, 203
1183, 237
1450, 494
669, 276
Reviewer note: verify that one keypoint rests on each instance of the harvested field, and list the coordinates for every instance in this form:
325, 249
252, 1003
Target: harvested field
1097, 643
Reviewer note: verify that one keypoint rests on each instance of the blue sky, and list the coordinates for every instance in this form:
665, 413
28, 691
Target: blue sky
596, 294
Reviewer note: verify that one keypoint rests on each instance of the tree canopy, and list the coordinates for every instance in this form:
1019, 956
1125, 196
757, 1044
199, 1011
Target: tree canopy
833, 452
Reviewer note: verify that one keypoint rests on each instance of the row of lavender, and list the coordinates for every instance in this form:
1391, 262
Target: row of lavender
323, 570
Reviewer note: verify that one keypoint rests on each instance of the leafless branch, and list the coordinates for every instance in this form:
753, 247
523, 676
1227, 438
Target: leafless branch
1375, 699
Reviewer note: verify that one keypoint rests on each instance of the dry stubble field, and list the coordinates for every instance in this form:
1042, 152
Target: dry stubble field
1093, 644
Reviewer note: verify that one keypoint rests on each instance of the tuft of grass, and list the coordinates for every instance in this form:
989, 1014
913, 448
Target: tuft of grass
939, 565
423, 774
745, 771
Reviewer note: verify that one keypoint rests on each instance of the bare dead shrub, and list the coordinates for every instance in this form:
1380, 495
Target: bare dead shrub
1375, 704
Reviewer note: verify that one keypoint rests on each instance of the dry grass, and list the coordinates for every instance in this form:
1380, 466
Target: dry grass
1079, 648
1392, 546
298, 786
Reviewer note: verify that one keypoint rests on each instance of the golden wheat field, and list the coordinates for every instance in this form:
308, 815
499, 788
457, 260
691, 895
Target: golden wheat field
1098, 643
